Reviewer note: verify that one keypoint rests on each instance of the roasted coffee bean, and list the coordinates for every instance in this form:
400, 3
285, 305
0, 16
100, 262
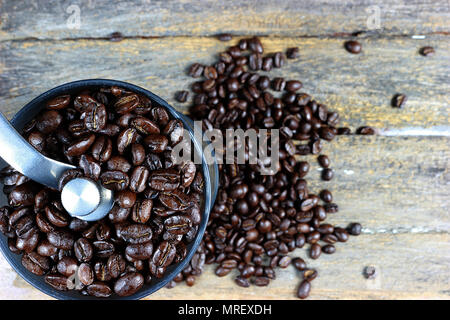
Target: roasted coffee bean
125, 198
156, 143
304, 289
142, 251
59, 102
118, 214
145, 126
341, 234
138, 180
141, 211
370, 272
45, 249
61, 239
85, 274
102, 149
135, 233
261, 281
353, 46
354, 229
80, 146
324, 161
37, 140
99, 290
137, 154
126, 103
292, 53
329, 249
126, 138
164, 180
48, 121
116, 265
326, 196
224, 37
399, 100
115, 180
35, 263
196, 70
327, 174
427, 51
315, 251
181, 96
95, 117
299, 264
164, 254
83, 250
57, 282
103, 249
22, 195
175, 200
367, 131
178, 225
128, 284
309, 274
90, 167
293, 85
57, 217
118, 163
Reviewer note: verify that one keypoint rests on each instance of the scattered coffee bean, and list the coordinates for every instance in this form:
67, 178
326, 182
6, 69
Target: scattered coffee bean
399, 100
370, 272
353, 46
181, 96
354, 229
427, 51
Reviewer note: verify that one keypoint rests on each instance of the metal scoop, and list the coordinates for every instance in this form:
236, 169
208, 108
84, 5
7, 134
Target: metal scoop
82, 198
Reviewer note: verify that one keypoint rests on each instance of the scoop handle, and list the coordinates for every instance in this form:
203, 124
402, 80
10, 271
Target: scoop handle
23, 157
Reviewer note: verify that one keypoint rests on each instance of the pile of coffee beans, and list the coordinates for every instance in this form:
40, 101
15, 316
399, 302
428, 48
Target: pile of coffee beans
258, 220
123, 140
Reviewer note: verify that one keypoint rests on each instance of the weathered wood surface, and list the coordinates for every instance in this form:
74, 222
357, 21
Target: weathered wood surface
410, 266
48, 19
397, 186
360, 87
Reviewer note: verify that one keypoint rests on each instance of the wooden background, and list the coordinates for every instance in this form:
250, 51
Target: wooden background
397, 184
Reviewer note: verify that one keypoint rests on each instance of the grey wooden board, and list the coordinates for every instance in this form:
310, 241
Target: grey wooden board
52, 19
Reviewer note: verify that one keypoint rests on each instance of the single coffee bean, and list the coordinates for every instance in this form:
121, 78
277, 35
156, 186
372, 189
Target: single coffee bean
399, 100
315, 251
292, 53
367, 131
327, 174
370, 272
354, 229
181, 96
353, 46
427, 51
304, 289
329, 249
326, 196
128, 284
83, 250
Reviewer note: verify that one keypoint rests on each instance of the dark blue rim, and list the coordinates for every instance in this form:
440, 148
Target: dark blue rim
31, 109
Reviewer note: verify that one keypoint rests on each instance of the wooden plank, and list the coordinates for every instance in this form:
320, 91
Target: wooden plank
409, 266
148, 18
359, 87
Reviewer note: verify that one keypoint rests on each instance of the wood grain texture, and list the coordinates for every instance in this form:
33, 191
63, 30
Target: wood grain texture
409, 266
397, 186
359, 87
48, 20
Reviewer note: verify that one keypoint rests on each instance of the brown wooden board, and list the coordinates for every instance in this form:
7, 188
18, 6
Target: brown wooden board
359, 87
